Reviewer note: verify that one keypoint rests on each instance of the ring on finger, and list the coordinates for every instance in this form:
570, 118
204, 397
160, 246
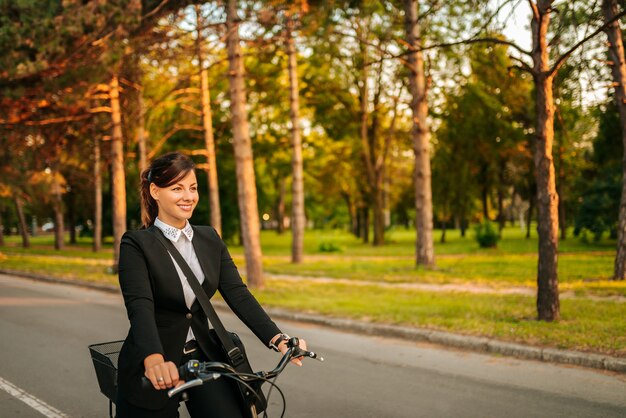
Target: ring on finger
160, 379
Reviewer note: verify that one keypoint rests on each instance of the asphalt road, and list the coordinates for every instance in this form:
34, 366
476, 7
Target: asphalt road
46, 369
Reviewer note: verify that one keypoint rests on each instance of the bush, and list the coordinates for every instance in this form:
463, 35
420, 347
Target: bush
487, 234
328, 247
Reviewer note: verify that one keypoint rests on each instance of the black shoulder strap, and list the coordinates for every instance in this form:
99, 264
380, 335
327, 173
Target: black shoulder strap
235, 355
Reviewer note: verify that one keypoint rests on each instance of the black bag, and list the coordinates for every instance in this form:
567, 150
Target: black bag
256, 397
229, 341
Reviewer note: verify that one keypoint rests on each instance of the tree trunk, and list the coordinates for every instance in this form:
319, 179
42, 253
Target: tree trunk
616, 52
71, 215
369, 152
352, 213
547, 199
359, 221
97, 180
297, 167
118, 179
365, 224
443, 232
484, 198
1, 229
501, 215
141, 135
207, 124
425, 254
463, 224
57, 204
379, 217
280, 207
246, 186
141, 141
529, 216
19, 208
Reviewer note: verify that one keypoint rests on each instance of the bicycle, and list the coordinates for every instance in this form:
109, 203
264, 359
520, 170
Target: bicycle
196, 373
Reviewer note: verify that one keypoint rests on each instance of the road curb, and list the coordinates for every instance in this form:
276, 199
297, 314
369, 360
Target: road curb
460, 341
465, 342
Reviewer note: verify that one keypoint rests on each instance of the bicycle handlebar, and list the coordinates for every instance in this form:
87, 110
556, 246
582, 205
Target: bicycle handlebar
196, 373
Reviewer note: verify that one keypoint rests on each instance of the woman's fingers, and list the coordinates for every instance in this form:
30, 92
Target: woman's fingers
173, 371
163, 375
151, 375
298, 360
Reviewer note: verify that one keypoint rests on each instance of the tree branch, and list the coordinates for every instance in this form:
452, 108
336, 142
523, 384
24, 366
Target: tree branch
54, 120
167, 136
523, 66
474, 41
561, 60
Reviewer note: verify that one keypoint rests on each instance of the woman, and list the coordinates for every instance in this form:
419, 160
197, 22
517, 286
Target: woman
167, 325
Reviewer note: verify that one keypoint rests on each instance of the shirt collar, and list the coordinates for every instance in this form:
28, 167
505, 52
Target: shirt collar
173, 233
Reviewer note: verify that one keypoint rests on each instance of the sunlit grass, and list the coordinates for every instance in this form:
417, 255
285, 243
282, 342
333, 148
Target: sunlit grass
401, 242
585, 325
91, 270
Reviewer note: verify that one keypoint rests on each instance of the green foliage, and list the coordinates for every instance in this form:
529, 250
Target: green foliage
599, 187
54, 35
329, 247
487, 234
481, 150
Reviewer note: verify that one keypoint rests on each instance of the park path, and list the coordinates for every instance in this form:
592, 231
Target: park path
443, 287
427, 287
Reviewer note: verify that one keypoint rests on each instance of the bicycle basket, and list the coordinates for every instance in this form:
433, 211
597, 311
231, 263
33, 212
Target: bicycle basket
104, 357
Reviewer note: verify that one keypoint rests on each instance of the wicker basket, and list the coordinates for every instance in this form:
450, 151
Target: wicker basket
104, 357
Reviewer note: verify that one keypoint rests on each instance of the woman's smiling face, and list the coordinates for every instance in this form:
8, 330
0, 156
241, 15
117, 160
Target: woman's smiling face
177, 201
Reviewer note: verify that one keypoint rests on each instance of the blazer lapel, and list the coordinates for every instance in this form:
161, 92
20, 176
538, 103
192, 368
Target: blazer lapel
172, 274
206, 251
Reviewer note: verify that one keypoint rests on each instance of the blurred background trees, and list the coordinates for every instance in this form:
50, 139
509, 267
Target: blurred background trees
335, 117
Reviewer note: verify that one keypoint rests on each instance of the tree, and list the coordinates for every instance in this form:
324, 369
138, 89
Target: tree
246, 187
118, 179
207, 124
97, 190
618, 67
481, 141
352, 44
297, 201
544, 72
424, 247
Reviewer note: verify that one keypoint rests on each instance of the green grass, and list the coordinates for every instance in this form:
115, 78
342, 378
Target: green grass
401, 242
44, 245
593, 307
584, 324
91, 270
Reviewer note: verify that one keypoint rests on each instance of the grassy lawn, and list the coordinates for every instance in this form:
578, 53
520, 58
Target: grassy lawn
593, 307
586, 325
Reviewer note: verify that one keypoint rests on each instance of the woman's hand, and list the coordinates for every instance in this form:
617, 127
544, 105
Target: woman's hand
282, 346
162, 374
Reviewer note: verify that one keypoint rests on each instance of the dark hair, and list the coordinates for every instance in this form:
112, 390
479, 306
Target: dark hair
163, 171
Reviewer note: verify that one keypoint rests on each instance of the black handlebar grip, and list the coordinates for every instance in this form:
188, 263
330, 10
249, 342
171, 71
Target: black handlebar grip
146, 383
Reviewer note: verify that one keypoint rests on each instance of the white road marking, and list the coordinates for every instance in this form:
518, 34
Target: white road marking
37, 404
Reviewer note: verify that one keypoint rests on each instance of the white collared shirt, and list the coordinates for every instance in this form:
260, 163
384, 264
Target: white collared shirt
181, 238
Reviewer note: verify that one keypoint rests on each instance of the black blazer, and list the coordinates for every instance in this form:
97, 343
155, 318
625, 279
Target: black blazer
159, 317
